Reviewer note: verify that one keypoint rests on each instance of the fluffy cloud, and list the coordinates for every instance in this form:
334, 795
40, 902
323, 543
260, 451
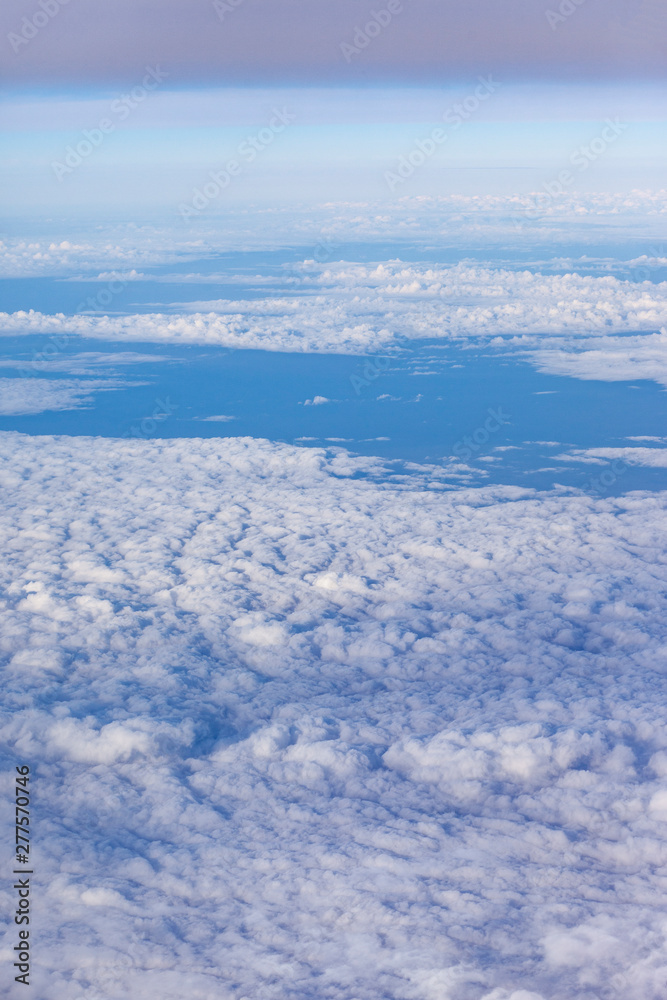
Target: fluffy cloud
317, 401
39, 256
302, 734
357, 308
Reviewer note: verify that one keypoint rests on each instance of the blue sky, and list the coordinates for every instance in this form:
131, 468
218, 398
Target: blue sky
365, 83
338, 144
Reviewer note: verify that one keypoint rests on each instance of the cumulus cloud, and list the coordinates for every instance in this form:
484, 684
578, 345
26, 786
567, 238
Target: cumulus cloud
298, 731
317, 401
302, 727
43, 256
357, 308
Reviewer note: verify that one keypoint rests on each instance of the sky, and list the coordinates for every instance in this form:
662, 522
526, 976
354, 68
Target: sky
97, 154
205, 81
299, 41
309, 718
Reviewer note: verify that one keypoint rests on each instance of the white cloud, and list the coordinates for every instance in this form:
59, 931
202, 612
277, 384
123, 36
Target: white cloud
218, 418
301, 734
357, 308
318, 401
116, 276
21, 257
477, 221
655, 458
621, 359
36, 395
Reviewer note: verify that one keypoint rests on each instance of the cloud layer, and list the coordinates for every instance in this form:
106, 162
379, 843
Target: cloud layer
299, 734
567, 323
497, 223
617, 359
